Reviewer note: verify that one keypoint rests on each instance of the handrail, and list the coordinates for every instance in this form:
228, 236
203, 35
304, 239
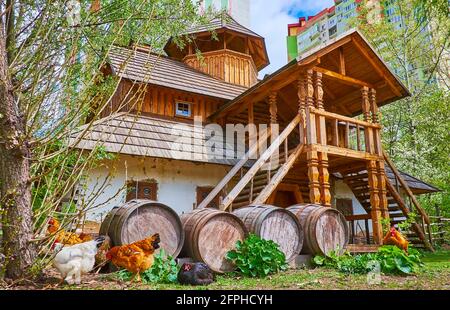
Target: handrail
259, 163
253, 149
343, 118
278, 177
406, 187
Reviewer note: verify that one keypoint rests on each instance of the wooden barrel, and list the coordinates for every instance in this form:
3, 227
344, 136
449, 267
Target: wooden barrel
325, 228
139, 219
210, 234
276, 224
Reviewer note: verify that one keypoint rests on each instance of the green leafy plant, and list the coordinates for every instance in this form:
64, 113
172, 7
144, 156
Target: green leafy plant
256, 257
345, 263
164, 270
392, 260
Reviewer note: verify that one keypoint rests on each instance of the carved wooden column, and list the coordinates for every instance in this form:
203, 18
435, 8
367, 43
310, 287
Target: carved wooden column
382, 192
381, 172
313, 175
324, 179
374, 106
324, 176
374, 202
368, 132
301, 92
365, 103
311, 133
320, 121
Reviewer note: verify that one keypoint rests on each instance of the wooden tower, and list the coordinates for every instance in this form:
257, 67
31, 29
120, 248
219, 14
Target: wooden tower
232, 53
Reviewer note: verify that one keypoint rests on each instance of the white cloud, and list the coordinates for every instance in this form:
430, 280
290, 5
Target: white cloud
269, 18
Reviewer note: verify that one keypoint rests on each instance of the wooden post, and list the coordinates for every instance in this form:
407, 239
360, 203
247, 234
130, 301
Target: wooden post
324, 178
253, 131
365, 103
301, 87
375, 202
313, 175
369, 138
311, 132
382, 189
321, 132
273, 109
374, 106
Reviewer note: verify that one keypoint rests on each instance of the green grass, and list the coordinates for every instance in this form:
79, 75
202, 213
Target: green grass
435, 274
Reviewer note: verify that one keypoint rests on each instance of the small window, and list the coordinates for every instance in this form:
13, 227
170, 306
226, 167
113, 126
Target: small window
183, 109
142, 190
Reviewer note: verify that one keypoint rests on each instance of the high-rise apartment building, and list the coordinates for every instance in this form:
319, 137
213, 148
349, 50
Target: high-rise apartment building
314, 30
238, 9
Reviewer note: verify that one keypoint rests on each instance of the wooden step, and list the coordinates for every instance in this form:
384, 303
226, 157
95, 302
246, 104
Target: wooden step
256, 189
240, 205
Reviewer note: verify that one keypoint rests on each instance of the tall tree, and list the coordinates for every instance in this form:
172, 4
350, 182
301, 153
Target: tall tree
413, 37
51, 58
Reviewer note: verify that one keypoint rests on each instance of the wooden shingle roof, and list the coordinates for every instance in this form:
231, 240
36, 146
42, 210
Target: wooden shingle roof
417, 186
227, 22
159, 70
152, 137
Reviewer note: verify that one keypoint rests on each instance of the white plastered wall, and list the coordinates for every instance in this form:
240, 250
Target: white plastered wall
104, 187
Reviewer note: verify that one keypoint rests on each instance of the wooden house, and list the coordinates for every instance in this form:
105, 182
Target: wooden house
328, 145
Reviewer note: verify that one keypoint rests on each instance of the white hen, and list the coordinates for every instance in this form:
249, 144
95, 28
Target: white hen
74, 260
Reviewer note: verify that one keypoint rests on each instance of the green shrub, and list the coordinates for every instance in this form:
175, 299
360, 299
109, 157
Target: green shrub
256, 257
164, 270
346, 263
392, 260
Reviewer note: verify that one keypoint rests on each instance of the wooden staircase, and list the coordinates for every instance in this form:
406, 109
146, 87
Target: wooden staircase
398, 208
257, 183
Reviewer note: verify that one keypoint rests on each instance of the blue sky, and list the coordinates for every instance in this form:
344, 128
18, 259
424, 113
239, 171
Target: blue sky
270, 18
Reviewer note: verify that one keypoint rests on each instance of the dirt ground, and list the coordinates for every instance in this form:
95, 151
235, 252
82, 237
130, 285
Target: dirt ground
435, 275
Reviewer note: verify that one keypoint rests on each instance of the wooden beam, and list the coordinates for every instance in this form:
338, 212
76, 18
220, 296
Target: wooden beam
342, 78
228, 200
333, 150
278, 177
344, 118
328, 49
253, 149
380, 71
341, 61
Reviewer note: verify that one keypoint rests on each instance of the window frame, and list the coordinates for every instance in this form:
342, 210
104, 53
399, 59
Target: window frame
189, 104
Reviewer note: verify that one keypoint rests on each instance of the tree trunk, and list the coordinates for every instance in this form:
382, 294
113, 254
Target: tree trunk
15, 189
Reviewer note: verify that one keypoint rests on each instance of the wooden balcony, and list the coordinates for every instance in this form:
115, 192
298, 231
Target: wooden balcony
342, 136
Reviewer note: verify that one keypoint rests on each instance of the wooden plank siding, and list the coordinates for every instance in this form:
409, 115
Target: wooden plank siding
158, 101
230, 66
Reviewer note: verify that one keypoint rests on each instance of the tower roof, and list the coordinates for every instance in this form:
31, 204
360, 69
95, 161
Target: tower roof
226, 24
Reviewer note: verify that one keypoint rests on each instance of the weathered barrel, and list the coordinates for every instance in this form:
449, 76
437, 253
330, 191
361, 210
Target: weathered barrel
210, 234
139, 219
276, 224
325, 228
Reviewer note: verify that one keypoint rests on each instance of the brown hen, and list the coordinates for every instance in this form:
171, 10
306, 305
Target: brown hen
136, 257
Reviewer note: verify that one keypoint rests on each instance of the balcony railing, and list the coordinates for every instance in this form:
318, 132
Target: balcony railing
344, 132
